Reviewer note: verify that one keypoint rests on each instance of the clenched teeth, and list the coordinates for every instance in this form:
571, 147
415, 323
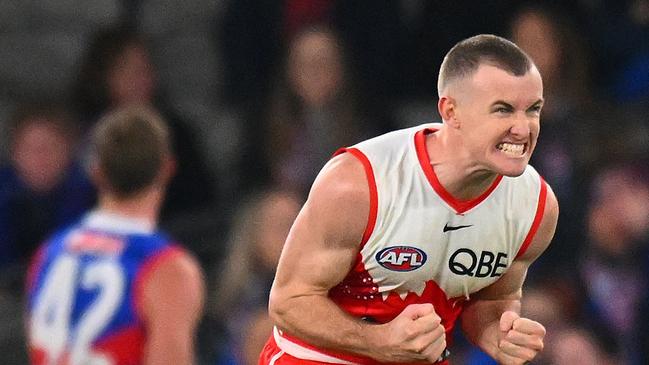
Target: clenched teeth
515, 149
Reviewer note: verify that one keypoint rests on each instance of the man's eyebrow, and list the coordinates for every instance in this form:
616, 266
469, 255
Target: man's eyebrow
502, 103
510, 106
536, 103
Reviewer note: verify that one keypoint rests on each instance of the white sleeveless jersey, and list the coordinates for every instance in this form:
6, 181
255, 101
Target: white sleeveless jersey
422, 245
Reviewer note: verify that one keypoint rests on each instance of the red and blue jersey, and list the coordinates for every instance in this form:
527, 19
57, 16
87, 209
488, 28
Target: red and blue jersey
84, 291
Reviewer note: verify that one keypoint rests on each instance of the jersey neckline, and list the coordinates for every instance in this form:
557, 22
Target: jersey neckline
460, 206
117, 223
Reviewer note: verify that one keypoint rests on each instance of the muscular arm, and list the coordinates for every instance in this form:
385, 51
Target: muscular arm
320, 250
172, 304
482, 315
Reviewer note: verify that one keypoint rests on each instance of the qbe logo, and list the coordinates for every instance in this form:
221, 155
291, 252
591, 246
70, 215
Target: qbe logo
401, 258
477, 264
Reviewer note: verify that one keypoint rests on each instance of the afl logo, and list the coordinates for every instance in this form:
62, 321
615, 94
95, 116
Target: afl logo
401, 258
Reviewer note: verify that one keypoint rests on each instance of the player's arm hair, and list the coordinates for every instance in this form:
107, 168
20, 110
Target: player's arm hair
320, 250
480, 318
172, 304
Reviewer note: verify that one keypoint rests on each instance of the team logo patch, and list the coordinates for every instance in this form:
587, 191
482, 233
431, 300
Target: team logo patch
401, 258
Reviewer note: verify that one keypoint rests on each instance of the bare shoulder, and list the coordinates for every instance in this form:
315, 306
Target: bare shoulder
175, 285
182, 268
343, 176
340, 200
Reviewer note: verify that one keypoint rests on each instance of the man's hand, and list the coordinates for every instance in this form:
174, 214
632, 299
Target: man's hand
521, 341
416, 334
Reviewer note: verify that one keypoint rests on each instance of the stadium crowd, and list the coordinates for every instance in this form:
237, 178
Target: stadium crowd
259, 94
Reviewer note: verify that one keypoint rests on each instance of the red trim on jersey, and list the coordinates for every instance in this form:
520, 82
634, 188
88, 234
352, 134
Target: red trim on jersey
271, 350
460, 206
35, 264
143, 276
124, 347
347, 357
374, 195
37, 356
538, 217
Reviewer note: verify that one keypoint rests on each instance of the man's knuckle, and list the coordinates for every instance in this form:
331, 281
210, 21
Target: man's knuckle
410, 332
414, 348
418, 346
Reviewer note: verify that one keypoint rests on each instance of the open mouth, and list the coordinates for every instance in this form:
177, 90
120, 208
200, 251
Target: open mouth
512, 149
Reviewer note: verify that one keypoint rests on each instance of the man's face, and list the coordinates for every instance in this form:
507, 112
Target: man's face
41, 154
498, 117
132, 80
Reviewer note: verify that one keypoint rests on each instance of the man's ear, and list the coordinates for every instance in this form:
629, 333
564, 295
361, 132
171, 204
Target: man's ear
96, 175
447, 110
167, 170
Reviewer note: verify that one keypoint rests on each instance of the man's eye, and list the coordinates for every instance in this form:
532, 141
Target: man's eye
502, 110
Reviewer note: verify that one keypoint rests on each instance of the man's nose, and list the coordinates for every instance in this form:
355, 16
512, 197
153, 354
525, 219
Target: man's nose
521, 127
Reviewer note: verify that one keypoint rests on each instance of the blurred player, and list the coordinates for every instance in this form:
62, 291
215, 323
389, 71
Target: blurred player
112, 289
456, 216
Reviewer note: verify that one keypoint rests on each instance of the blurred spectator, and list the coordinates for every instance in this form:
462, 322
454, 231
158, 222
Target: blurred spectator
575, 346
252, 54
259, 230
555, 306
313, 109
611, 265
117, 71
43, 186
543, 305
255, 336
560, 53
254, 59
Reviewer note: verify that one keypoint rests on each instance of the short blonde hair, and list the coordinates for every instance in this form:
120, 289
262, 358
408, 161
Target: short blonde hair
467, 55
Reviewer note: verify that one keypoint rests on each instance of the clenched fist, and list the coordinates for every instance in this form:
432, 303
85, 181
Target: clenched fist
521, 339
415, 335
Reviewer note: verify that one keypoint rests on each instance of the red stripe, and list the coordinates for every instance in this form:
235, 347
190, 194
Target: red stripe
124, 347
37, 356
342, 356
351, 358
460, 206
374, 196
35, 265
143, 276
538, 217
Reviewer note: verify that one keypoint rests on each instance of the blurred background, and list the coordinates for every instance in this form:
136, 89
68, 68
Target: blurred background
259, 94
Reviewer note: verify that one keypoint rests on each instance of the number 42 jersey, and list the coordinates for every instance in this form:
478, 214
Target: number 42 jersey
84, 290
